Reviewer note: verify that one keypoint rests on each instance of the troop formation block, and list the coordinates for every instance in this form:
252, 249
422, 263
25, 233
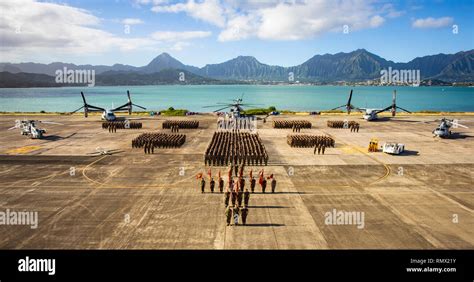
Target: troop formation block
235, 148
291, 124
309, 141
167, 124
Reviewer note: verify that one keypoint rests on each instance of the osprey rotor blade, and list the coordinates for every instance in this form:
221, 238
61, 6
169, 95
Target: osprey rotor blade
77, 110
221, 109
403, 109
139, 106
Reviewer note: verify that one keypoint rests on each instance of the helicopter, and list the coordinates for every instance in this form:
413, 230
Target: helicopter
29, 128
443, 129
235, 106
107, 114
371, 114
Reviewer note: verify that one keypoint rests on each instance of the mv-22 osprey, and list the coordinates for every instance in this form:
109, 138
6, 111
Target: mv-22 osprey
371, 114
107, 114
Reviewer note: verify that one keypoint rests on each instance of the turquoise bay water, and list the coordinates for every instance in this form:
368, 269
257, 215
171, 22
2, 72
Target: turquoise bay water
195, 97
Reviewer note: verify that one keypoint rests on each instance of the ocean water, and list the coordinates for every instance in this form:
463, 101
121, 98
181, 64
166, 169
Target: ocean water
196, 97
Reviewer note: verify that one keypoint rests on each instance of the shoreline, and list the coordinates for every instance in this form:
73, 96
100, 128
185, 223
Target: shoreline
282, 113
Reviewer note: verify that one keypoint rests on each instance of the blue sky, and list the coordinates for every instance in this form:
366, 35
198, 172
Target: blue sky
212, 31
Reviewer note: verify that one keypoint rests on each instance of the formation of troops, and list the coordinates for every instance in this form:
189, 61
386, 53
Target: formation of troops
112, 126
309, 141
352, 125
236, 148
150, 141
236, 196
293, 124
189, 124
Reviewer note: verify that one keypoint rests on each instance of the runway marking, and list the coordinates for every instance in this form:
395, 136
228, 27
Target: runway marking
23, 150
387, 168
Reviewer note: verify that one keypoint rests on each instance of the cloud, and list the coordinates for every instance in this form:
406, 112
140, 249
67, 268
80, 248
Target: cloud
282, 19
42, 27
432, 22
179, 36
30, 29
131, 21
297, 21
208, 10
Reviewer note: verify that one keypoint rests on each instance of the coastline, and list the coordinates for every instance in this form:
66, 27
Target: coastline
283, 112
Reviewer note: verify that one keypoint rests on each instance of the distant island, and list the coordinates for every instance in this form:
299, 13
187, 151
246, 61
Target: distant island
358, 67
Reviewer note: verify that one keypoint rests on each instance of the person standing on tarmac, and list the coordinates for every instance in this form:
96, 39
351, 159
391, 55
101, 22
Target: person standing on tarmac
221, 184
273, 183
226, 197
203, 184
212, 183
264, 185
235, 215
244, 211
228, 215
246, 197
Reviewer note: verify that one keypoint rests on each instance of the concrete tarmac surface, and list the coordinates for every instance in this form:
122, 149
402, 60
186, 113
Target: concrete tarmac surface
422, 199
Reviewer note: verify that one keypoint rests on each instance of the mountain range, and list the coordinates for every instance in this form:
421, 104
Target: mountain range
355, 66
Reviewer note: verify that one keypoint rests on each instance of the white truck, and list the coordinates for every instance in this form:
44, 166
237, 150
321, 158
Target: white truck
393, 148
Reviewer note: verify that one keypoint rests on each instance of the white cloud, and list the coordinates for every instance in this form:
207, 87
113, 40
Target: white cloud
132, 21
179, 36
208, 10
432, 22
282, 19
30, 29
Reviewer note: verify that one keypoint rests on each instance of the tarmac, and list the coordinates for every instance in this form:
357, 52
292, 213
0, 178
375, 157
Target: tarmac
422, 199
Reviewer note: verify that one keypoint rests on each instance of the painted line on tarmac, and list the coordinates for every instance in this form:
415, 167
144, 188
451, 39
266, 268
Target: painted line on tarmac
387, 168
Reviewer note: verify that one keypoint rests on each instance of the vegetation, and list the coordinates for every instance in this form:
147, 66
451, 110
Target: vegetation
332, 112
259, 111
174, 112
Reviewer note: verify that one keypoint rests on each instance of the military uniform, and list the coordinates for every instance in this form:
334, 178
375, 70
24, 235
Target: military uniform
221, 184
228, 215
244, 211
246, 197
211, 185
235, 214
252, 184
226, 198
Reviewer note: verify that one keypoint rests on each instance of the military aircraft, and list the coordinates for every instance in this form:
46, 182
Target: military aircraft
107, 114
104, 152
235, 106
443, 129
29, 128
371, 114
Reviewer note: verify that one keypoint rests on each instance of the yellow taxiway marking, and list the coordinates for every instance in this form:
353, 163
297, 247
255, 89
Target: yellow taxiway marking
23, 150
363, 151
